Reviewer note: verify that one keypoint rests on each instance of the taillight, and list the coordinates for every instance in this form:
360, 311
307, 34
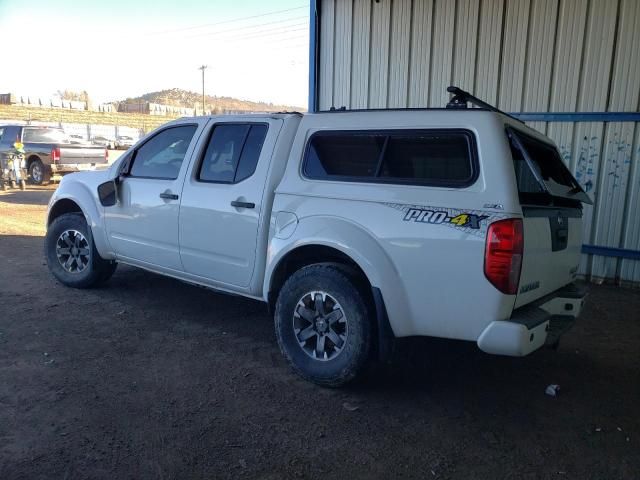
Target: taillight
55, 154
503, 254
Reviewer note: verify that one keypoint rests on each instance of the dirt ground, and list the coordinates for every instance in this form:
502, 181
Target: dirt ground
151, 378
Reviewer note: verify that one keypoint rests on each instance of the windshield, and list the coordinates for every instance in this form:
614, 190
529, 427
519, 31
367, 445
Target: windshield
540, 172
44, 135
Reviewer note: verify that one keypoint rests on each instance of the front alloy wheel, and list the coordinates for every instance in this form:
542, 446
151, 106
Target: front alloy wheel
73, 251
71, 254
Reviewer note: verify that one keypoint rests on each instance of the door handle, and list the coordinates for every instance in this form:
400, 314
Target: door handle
169, 196
238, 204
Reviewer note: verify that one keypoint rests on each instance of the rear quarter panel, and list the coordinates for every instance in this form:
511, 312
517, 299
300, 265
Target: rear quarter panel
431, 274
40, 150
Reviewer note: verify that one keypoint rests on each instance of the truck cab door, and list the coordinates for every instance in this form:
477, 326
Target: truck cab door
143, 226
222, 203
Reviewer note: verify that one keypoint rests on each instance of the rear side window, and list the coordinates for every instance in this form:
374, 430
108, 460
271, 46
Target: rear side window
232, 153
540, 172
343, 155
421, 157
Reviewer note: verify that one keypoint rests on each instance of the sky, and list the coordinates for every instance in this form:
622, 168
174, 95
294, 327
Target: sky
113, 49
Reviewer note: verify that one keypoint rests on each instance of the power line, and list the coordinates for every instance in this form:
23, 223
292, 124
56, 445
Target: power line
267, 35
263, 33
234, 30
239, 19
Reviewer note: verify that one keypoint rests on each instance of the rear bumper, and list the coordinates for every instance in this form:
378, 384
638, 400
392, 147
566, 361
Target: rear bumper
59, 168
533, 326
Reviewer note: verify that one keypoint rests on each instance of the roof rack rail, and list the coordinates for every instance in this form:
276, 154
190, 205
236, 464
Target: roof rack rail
461, 98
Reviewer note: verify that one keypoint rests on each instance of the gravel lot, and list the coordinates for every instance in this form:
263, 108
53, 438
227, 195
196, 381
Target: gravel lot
151, 378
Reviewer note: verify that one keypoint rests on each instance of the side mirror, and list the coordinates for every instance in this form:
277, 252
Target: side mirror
108, 193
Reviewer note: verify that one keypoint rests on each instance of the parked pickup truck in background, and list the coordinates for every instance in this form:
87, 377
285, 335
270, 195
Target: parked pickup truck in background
50, 152
123, 142
354, 227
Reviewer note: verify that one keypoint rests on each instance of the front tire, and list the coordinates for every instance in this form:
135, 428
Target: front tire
71, 254
39, 173
323, 325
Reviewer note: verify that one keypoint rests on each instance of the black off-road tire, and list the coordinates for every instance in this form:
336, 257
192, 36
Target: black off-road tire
343, 288
39, 174
96, 270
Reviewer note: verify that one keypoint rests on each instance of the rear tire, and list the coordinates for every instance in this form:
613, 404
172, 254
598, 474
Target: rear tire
40, 175
323, 325
71, 254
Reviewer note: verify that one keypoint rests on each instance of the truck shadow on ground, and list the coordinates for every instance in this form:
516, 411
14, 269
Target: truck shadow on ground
159, 303
416, 364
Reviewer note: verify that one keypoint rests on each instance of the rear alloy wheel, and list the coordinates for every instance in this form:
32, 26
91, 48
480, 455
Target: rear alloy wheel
320, 326
323, 325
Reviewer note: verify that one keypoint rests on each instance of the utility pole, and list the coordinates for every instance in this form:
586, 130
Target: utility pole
203, 68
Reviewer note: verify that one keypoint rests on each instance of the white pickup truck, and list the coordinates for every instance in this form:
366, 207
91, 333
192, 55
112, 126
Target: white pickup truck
355, 227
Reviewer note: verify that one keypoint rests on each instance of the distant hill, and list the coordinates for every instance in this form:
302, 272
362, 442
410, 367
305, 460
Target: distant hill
182, 98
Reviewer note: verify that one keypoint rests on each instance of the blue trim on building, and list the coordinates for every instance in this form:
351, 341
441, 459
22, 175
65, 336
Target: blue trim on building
578, 116
611, 252
313, 55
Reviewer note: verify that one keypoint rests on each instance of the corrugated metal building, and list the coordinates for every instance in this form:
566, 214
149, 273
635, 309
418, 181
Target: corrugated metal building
571, 68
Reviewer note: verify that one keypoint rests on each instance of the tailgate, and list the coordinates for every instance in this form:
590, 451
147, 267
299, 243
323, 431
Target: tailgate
73, 155
551, 200
552, 244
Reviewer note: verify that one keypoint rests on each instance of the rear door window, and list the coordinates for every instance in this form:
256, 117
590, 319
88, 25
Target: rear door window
420, 157
541, 174
232, 153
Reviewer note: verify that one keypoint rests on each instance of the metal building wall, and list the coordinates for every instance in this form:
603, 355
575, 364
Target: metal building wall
522, 56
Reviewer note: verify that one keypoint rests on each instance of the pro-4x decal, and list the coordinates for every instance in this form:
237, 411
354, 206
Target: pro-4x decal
470, 221
421, 215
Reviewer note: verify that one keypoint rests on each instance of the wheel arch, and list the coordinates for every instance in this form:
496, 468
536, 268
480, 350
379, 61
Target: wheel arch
61, 207
354, 248
312, 254
347, 240
309, 254
32, 158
